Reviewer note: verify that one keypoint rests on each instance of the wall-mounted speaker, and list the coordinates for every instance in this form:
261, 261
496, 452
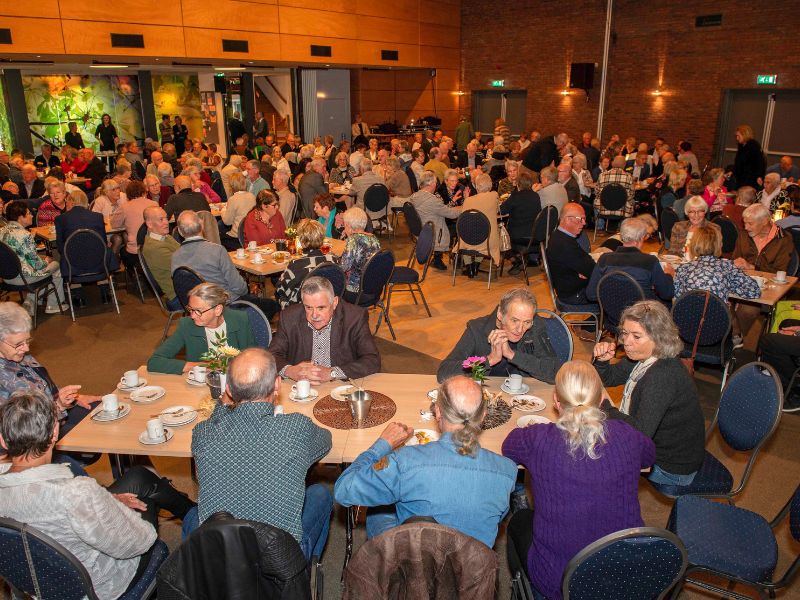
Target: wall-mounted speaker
581, 76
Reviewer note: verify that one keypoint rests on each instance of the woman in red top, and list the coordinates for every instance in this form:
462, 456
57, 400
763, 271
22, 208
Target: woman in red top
265, 222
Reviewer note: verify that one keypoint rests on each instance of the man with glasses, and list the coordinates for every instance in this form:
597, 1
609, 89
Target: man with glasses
570, 265
512, 338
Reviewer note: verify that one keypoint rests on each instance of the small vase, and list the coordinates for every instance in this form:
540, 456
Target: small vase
216, 383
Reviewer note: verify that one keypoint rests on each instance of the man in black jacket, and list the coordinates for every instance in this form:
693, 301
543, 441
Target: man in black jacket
31, 186
570, 265
511, 338
545, 152
184, 198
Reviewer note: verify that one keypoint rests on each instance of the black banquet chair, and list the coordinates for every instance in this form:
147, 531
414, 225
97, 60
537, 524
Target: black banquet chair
184, 279
35, 564
730, 233
375, 276
543, 225
734, 544
414, 223
259, 324
408, 276
616, 291
748, 414
86, 255
612, 199
473, 229
641, 562
11, 268
333, 273
376, 200
558, 333
158, 293
668, 219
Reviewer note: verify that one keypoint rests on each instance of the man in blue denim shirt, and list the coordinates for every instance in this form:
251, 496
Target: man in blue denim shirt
453, 480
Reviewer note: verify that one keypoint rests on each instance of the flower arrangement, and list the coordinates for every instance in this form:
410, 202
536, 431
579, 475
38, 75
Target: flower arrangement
291, 233
219, 354
477, 367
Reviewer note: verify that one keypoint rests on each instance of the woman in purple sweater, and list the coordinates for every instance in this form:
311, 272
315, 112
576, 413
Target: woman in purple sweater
584, 479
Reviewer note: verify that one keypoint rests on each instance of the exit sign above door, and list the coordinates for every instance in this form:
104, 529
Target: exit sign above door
766, 80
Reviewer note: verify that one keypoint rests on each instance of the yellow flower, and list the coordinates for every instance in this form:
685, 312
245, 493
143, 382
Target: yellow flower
229, 351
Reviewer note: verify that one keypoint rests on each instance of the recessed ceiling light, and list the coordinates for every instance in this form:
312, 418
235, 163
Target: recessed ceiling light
229, 68
108, 66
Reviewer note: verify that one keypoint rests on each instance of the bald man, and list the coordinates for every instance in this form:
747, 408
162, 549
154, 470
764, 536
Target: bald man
185, 198
159, 246
259, 472
786, 169
570, 265
451, 479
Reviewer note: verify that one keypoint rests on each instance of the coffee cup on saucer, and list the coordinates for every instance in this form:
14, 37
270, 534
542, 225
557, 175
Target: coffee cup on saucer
514, 382
110, 403
240, 253
780, 276
130, 379
155, 430
301, 389
198, 373
251, 246
258, 259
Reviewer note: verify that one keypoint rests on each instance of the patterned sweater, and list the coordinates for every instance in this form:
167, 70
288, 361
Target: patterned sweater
21, 241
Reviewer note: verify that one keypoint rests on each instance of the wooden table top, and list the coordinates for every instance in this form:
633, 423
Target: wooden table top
409, 393
49, 235
269, 266
772, 292
340, 190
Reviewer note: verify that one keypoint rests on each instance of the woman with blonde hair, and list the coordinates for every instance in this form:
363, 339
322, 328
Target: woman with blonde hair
749, 164
585, 477
209, 322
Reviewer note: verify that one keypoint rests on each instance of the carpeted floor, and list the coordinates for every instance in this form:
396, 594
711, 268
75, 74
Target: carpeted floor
100, 346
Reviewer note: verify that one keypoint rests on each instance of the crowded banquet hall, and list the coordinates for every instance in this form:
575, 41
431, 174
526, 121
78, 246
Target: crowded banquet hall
368, 301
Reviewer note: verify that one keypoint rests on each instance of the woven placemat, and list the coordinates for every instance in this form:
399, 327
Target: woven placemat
497, 414
336, 414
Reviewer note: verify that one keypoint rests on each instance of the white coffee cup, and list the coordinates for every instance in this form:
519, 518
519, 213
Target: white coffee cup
258, 259
514, 382
251, 245
240, 253
780, 276
110, 403
302, 388
198, 373
155, 430
130, 379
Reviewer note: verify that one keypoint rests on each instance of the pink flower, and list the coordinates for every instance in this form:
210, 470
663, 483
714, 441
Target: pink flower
473, 360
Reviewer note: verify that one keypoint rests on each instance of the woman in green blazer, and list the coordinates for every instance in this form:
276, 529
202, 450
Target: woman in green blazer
208, 318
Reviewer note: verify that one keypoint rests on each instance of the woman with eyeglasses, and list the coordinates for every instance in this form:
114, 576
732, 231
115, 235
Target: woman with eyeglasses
209, 324
660, 398
696, 210
20, 372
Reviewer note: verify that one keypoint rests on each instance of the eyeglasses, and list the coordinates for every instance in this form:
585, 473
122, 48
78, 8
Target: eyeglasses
581, 219
18, 346
196, 312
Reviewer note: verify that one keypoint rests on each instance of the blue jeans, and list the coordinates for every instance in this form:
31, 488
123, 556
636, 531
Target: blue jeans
316, 520
659, 475
380, 519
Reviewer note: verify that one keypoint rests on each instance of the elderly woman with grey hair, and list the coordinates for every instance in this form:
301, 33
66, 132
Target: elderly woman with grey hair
342, 172
487, 202
21, 372
660, 398
696, 210
359, 249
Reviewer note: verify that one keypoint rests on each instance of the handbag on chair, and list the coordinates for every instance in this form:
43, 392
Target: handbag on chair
688, 362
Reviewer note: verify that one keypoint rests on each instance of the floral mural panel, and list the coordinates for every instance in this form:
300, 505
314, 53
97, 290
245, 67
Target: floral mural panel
54, 100
6, 141
179, 94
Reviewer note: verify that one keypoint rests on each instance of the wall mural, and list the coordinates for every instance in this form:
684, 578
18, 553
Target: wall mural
6, 141
179, 94
55, 100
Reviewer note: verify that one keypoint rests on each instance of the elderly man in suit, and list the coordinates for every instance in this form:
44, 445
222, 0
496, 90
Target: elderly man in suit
322, 339
431, 208
311, 185
32, 187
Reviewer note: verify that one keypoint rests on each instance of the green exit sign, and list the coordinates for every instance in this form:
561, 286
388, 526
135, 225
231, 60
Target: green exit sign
766, 80
498, 83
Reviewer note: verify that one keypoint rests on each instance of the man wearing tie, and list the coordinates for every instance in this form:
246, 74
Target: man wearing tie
360, 130
261, 128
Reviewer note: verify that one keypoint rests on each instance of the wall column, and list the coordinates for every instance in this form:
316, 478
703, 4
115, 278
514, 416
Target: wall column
17, 111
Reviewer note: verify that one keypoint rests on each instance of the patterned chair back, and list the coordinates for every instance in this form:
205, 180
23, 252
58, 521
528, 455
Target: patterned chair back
259, 324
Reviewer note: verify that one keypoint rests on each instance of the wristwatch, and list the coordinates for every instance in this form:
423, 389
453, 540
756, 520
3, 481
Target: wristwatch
332, 375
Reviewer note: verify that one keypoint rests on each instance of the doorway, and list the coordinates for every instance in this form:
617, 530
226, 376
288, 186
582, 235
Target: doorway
773, 116
488, 105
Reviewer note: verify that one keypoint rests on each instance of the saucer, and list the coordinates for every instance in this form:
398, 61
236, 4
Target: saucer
257, 262
145, 439
191, 381
312, 395
246, 254
124, 388
525, 403
342, 393
422, 437
103, 416
532, 420
433, 395
189, 415
148, 394
778, 281
523, 389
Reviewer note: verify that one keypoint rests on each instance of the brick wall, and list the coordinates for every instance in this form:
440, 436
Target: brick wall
655, 45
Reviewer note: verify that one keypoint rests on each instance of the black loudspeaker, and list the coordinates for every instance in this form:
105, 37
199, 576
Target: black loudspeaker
219, 84
581, 76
